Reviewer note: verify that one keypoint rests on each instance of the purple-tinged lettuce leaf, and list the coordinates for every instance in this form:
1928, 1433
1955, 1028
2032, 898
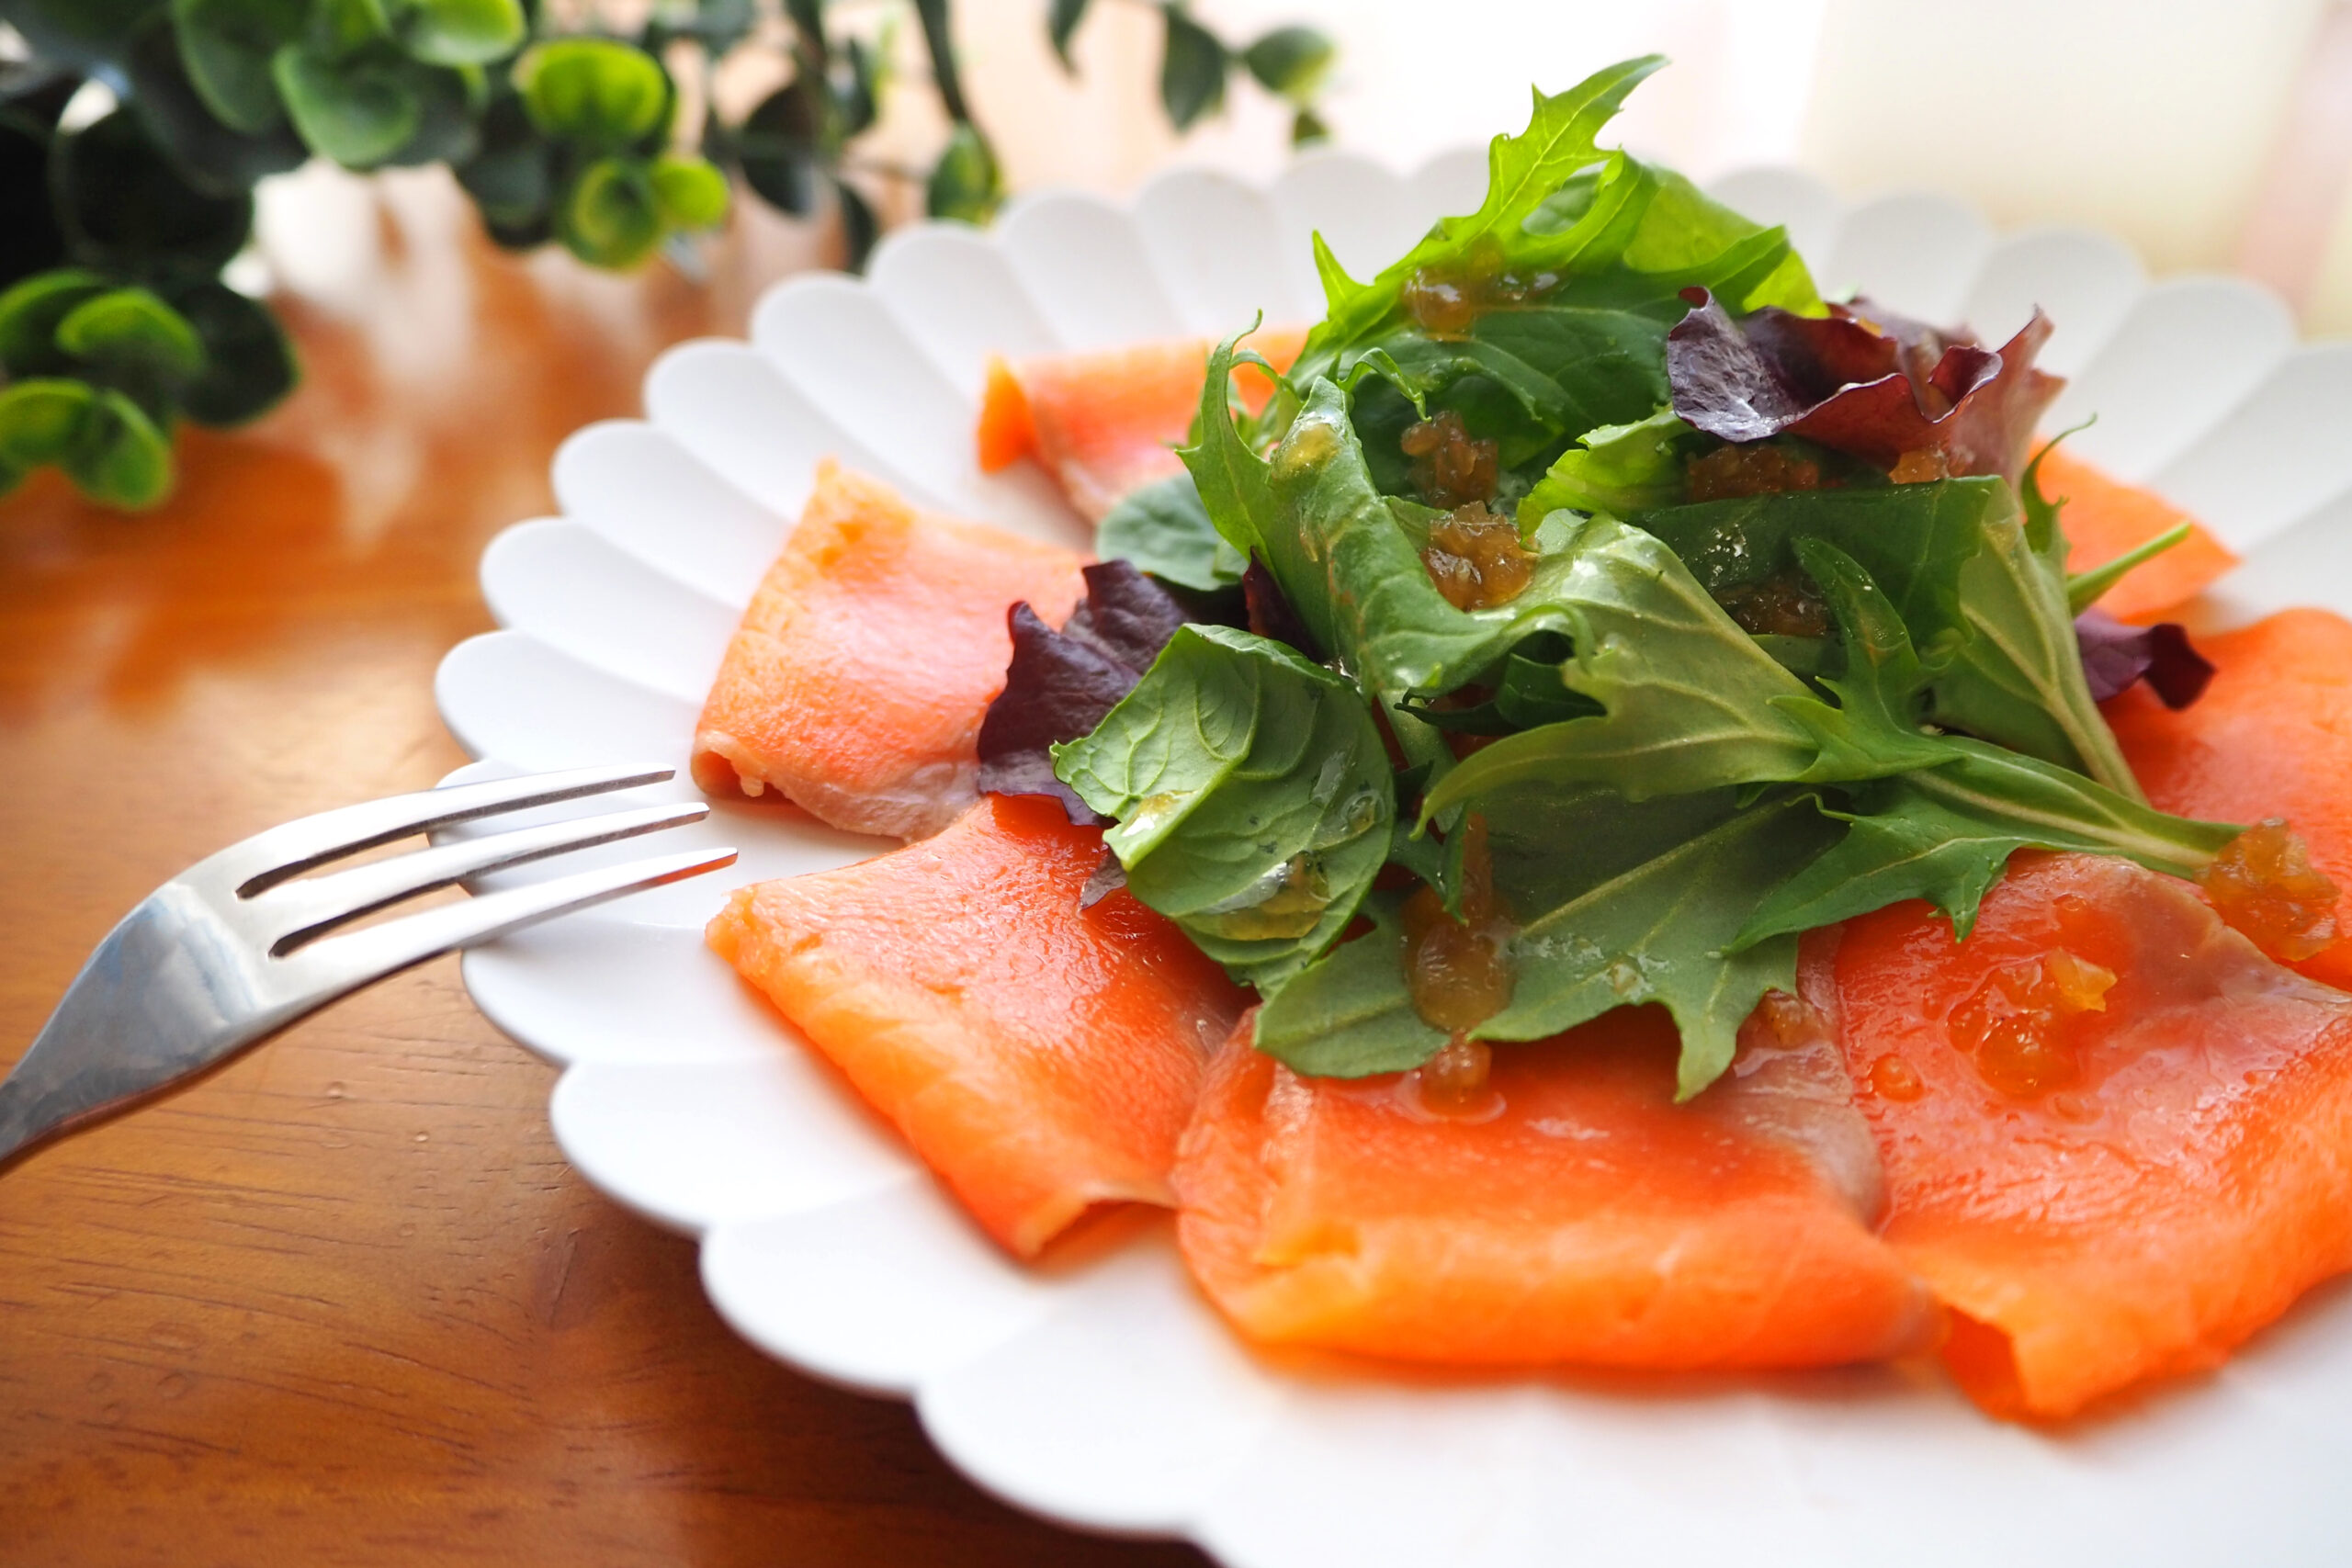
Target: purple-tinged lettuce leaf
1861, 380
1270, 614
2117, 655
1060, 684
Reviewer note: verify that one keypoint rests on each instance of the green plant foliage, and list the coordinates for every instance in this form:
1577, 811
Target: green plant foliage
965, 183
595, 91
1192, 64
557, 133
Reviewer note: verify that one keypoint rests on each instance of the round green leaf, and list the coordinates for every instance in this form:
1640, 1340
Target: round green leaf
126, 208
690, 192
459, 32
249, 365
211, 156
131, 330
29, 313
609, 217
1306, 128
965, 184
778, 148
1191, 69
512, 177
340, 29
40, 420
448, 114
594, 90
227, 45
121, 458
357, 111
1291, 62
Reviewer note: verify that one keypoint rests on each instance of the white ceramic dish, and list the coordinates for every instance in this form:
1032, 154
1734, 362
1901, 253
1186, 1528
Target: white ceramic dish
1104, 1393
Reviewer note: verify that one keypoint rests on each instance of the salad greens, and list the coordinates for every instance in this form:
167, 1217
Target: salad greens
1703, 693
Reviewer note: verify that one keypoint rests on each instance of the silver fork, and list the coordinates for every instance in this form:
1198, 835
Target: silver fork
236, 947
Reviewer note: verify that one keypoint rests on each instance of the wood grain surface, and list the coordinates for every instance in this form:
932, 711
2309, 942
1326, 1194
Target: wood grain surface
343, 1303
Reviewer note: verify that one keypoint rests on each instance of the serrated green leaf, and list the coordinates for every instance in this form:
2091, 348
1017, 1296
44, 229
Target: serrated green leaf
458, 32
357, 111
227, 47
598, 92
1253, 794
965, 185
609, 216
1658, 932
1875, 729
1945, 833
1350, 1013
29, 313
249, 365
1688, 696
1164, 529
1618, 469
1979, 586
1061, 20
690, 192
1191, 69
131, 330
1291, 63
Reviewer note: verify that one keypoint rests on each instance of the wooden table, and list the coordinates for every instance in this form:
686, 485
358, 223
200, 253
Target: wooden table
345, 1302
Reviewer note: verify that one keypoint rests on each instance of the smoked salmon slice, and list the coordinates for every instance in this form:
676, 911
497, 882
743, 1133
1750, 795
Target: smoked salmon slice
2271, 736
2118, 1139
855, 685
1041, 1058
1579, 1216
1106, 422
2105, 517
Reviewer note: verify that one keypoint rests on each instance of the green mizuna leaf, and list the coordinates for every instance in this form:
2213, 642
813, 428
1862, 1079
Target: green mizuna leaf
1618, 469
2085, 588
1165, 529
1253, 798
1945, 833
1875, 728
1660, 932
1979, 584
1688, 699
1350, 1013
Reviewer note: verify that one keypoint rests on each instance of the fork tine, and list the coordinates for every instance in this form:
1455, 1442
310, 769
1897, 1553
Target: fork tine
269, 858
308, 910
335, 964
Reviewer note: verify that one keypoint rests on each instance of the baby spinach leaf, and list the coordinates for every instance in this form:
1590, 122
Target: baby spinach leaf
1944, 834
1688, 697
1350, 1013
1253, 794
1661, 932
1165, 529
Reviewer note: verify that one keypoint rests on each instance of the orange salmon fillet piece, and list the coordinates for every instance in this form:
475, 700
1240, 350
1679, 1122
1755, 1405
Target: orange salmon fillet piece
1107, 421
2271, 736
1039, 1057
2103, 518
857, 680
1585, 1220
2146, 1218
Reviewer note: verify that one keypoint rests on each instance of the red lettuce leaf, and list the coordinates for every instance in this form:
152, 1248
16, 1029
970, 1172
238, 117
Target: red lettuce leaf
1060, 684
2117, 655
1861, 380
1269, 614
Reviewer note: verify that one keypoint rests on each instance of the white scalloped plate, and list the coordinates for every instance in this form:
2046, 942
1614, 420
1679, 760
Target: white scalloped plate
1102, 1390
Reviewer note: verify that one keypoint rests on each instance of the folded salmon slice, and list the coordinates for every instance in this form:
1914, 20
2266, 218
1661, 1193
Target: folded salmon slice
2105, 517
1041, 1058
1107, 423
857, 680
2271, 736
1579, 1216
2167, 1163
